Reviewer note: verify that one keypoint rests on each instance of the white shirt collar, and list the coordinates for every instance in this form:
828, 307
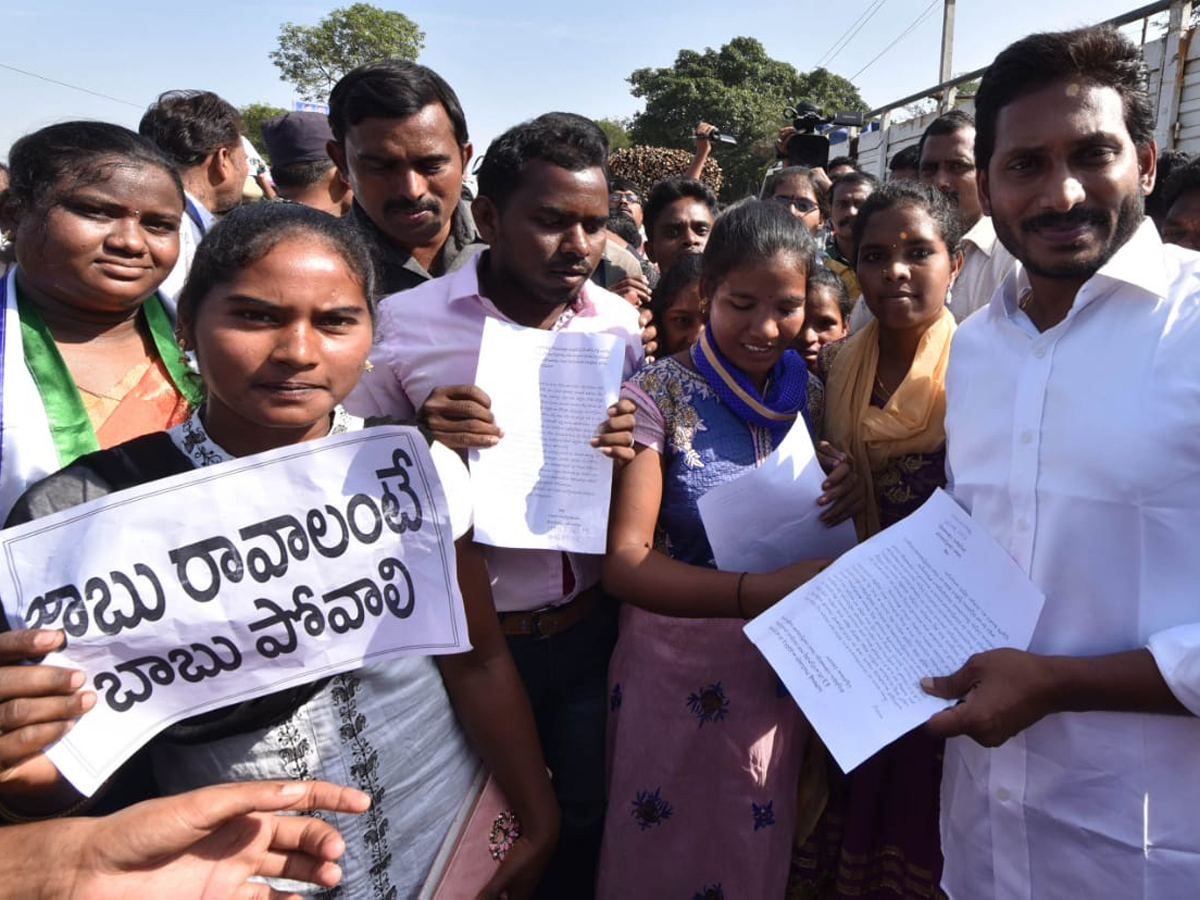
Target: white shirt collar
982, 235
1139, 263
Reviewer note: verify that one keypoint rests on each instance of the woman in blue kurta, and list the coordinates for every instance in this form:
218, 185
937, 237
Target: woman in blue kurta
705, 747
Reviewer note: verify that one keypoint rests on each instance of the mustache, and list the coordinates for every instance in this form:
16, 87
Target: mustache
426, 204
1080, 215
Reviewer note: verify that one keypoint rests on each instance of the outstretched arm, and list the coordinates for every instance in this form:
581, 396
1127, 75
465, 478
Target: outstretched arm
201, 845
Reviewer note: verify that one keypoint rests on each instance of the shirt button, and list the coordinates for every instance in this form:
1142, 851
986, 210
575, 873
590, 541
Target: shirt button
1002, 795
1026, 437
1039, 352
1022, 524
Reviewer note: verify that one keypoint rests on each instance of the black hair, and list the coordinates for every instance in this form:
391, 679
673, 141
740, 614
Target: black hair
842, 161
617, 183
189, 126
249, 233
818, 187
71, 155
392, 89
667, 192
623, 226
850, 179
1167, 187
1099, 56
948, 123
820, 276
908, 158
898, 194
673, 282
1183, 179
563, 139
752, 232
297, 175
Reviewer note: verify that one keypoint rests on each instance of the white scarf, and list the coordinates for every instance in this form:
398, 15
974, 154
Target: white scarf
27, 451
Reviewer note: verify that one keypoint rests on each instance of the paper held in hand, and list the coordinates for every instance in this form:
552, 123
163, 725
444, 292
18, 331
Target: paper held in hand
916, 600
544, 486
769, 517
235, 581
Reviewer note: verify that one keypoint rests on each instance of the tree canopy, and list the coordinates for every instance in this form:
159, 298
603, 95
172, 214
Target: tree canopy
742, 91
313, 57
253, 115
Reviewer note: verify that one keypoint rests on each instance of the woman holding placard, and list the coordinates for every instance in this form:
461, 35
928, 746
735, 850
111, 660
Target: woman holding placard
276, 312
705, 748
886, 405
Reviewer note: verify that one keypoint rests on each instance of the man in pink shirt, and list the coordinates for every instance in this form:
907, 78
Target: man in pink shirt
542, 208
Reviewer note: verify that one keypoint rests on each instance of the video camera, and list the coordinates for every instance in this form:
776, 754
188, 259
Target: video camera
806, 147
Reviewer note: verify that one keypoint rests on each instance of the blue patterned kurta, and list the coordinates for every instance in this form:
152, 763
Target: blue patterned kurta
704, 746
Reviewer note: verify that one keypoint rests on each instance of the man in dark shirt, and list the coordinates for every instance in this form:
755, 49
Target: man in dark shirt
400, 140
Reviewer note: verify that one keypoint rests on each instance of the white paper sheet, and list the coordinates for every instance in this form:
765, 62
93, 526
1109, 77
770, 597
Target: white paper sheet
917, 599
769, 518
544, 487
237, 580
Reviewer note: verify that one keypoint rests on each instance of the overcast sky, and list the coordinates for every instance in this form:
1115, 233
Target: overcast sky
507, 60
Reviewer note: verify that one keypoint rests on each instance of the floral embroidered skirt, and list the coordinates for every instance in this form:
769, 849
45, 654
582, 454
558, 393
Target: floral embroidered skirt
704, 755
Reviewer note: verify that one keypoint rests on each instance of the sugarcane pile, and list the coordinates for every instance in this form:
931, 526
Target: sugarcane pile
645, 166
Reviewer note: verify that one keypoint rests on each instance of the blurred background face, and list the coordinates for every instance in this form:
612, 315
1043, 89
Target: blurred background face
948, 164
796, 192
406, 173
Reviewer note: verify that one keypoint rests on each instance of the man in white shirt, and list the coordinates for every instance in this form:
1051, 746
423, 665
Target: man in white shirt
1073, 436
543, 210
202, 134
947, 162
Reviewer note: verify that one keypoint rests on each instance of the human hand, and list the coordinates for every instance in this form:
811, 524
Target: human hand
703, 136
635, 289
520, 872
649, 334
460, 416
843, 491
206, 843
38, 705
615, 438
781, 140
1002, 692
822, 177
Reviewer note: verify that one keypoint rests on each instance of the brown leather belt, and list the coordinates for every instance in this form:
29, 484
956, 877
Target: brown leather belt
550, 620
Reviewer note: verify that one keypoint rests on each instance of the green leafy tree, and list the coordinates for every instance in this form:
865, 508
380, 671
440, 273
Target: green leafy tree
742, 91
313, 57
253, 115
617, 132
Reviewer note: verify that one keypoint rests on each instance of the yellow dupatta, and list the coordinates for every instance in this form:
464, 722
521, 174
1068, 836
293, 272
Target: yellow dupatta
912, 420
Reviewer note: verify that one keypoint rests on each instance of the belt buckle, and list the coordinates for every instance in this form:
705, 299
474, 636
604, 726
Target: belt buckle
535, 623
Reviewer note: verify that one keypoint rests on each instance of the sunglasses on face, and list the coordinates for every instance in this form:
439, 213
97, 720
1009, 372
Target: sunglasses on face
800, 204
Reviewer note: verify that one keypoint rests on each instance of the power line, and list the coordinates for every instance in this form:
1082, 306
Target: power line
850, 33
73, 87
905, 33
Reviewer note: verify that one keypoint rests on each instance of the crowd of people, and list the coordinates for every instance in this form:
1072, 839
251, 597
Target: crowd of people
1007, 316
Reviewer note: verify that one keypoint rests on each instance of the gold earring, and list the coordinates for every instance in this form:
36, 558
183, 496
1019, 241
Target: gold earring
368, 366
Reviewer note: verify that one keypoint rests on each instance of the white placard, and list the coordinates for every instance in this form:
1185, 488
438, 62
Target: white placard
915, 600
235, 581
543, 486
769, 517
